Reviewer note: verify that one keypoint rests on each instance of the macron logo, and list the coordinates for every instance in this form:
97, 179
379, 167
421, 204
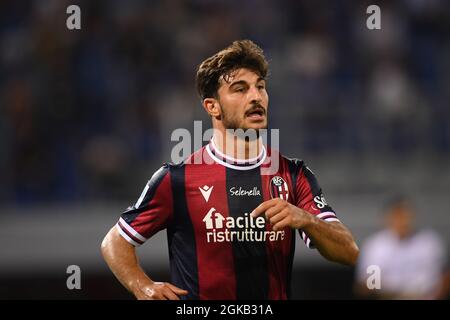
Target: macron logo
206, 191
211, 222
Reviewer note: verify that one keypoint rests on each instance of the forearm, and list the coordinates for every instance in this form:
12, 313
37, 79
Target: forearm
123, 262
333, 240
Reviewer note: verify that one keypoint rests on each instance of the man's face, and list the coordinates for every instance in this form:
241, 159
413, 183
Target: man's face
243, 100
400, 220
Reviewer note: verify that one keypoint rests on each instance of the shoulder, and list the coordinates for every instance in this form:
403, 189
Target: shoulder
158, 176
294, 164
380, 239
160, 173
298, 167
376, 250
429, 237
298, 163
177, 170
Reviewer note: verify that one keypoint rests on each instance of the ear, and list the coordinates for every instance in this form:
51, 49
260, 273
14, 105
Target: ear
212, 107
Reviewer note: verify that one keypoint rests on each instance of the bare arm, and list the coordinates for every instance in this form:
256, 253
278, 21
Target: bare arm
333, 240
122, 260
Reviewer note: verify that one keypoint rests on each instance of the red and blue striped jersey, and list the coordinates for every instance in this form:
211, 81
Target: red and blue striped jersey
216, 249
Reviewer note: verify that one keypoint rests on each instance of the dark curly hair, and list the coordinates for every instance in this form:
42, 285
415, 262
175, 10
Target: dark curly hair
240, 54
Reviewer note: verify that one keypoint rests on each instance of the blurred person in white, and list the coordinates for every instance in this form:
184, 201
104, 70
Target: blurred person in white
412, 262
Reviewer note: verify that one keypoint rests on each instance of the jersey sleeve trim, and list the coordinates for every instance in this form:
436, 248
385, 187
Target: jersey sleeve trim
327, 216
131, 235
324, 216
127, 237
151, 212
129, 230
306, 239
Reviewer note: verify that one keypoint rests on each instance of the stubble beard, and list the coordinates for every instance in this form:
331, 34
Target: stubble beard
231, 123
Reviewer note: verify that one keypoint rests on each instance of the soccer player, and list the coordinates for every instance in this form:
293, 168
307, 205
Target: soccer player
230, 220
412, 262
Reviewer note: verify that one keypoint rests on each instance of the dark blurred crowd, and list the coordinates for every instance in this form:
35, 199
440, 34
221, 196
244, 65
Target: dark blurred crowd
87, 114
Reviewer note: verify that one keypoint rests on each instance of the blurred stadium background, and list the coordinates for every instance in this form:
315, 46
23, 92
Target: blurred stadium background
86, 117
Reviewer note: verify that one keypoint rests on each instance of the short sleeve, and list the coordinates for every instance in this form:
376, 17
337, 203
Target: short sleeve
151, 213
309, 197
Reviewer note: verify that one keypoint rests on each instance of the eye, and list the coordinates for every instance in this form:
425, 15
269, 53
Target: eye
261, 86
239, 89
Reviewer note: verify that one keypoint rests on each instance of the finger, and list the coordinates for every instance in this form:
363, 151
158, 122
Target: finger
278, 217
263, 207
158, 291
159, 296
272, 211
177, 290
259, 209
170, 294
281, 224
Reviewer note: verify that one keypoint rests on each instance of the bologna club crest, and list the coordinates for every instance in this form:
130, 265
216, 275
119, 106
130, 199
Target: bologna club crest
279, 188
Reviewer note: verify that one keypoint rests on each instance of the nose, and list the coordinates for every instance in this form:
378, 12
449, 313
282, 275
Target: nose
255, 95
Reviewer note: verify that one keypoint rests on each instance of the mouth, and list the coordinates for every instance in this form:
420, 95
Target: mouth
256, 114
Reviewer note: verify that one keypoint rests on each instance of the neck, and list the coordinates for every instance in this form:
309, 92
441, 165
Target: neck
238, 147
